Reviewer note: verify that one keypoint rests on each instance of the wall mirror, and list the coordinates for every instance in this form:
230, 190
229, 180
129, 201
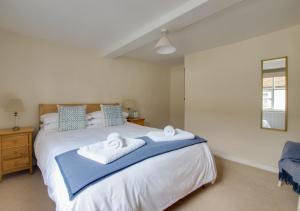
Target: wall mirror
274, 93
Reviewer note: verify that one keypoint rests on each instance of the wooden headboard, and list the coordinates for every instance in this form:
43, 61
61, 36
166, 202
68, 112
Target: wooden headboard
52, 108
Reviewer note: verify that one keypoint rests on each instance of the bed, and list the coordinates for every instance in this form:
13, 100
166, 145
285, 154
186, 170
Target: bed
153, 184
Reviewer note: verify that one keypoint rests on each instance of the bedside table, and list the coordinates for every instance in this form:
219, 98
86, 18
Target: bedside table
139, 121
15, 150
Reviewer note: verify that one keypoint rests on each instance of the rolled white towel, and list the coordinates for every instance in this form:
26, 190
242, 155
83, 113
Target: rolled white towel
114, 141
169, 130
179, 135
114, 144
113, 136
99, 153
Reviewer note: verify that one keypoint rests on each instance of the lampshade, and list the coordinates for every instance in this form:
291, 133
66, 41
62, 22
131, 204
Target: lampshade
164, 45
14, 105
129, 104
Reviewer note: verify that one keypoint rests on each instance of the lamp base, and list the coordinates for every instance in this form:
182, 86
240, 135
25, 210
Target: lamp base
16, 128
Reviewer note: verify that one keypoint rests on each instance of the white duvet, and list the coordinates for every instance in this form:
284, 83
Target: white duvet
153, 184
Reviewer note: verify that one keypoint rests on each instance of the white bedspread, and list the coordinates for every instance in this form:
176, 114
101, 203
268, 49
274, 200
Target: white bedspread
153, 184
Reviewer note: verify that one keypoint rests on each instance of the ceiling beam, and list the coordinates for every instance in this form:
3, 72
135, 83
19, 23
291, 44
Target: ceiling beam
152, 30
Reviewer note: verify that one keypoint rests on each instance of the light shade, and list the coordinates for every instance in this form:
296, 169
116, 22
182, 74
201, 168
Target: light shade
164, 46
15, 105
128, 104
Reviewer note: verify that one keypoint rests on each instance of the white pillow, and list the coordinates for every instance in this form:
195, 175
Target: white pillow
95, 121
53, 117
95, 126
95, 115
49, 118
125, 115
50, 127
99, 114
54, 126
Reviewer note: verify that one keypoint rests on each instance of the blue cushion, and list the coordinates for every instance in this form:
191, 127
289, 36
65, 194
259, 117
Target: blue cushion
113, 115
71, 117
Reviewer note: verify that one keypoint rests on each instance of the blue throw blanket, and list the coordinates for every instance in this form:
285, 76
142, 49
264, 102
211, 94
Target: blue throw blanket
79, 172
289, 165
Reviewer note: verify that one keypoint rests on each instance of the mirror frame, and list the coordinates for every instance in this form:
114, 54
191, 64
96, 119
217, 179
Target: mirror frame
286, 94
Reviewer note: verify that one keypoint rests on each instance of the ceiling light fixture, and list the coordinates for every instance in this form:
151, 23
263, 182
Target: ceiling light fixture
164, 45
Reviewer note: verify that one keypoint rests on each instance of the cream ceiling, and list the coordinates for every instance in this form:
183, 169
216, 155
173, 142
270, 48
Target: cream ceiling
131, 27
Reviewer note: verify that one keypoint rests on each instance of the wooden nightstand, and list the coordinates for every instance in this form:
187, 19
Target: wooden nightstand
15, 150
139, 121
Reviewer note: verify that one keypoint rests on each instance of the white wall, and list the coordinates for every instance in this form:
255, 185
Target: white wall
223, 97
38, 71
177, 96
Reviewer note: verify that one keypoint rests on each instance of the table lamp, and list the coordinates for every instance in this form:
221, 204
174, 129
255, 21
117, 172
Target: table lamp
129, 105
15, 106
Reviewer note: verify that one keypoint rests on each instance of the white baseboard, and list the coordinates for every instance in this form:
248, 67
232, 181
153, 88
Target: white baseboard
247, 162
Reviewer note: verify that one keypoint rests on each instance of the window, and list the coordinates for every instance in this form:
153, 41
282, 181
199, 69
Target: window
274, 93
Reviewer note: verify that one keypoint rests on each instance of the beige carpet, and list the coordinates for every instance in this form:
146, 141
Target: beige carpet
238, 188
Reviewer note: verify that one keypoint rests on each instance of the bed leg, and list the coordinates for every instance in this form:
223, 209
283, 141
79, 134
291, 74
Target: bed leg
298, 207
279, 183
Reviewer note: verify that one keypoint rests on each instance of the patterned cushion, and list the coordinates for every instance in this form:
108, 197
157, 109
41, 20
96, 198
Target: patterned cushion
71, 117
113, 115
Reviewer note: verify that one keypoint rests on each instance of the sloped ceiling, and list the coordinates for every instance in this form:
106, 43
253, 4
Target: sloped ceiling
131, 27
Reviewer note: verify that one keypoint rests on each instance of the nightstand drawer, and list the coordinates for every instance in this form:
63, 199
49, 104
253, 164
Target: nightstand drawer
18, 152
8, 165
15, 150
14, 141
